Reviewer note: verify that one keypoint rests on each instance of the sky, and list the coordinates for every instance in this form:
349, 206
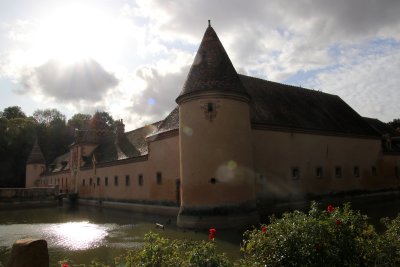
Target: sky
131, 58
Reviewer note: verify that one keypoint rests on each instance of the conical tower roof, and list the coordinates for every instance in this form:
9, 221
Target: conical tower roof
36, 156
212, 70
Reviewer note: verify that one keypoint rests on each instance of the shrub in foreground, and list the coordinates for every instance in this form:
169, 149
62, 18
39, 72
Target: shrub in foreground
160, 251
332, 237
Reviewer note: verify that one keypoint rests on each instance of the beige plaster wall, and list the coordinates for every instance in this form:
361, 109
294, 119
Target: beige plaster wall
276, 153
32, 175
61, 179
219, 148
163, 158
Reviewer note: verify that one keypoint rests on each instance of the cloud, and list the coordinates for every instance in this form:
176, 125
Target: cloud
367, 83
158, 97
279, 38
86, 80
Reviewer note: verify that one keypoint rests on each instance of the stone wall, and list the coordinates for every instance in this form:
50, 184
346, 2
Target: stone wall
11, 197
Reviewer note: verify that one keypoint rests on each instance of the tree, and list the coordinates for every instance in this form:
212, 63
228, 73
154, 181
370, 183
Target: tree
16, 140
48, 116
13, 112
102, 121
395, 123
80, 121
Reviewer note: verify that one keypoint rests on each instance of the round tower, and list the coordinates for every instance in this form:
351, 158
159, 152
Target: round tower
35, 166
216, 163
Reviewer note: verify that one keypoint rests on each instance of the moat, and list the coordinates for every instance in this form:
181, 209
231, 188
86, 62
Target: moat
83, 233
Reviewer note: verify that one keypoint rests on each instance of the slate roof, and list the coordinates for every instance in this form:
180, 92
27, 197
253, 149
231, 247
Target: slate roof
381, 127
280, 105
131, 144
36, 155
171, 122
212, 70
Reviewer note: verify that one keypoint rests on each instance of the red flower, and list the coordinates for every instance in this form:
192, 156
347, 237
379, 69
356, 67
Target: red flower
330, 208
211, 236
64, 265
263, 229
338, 222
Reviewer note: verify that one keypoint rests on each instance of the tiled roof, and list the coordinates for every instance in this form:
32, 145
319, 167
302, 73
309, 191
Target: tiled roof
280, 105
381, 127
36, 155
212, 70
171, 122
131, 144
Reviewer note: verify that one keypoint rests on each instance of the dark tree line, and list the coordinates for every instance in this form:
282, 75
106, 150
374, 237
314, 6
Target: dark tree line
18, 133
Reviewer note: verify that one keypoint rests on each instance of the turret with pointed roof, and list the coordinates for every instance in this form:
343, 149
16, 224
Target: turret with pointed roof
212, 70
36, 156
215, 143
35, 166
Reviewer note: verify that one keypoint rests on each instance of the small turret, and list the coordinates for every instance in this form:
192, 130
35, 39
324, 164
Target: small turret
35, 165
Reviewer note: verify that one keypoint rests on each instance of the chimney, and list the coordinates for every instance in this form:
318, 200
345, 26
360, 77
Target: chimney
119, 129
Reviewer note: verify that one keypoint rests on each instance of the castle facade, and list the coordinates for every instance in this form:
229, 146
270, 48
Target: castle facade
232, 142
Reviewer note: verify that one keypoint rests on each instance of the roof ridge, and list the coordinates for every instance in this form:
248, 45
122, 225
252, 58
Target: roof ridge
140, 128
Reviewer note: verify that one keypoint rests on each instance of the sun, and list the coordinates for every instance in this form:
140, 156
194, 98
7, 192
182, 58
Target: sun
74, 33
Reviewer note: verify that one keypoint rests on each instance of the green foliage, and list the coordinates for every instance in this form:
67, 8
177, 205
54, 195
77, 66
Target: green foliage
48, 116
389, 243
16, 140
12, 112
341, 237
102, 121
80, 121
159, 251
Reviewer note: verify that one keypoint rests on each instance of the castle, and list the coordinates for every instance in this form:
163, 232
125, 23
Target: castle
232, 142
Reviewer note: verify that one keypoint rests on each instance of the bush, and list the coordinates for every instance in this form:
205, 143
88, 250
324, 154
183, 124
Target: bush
334, 237
159, 251
389, 243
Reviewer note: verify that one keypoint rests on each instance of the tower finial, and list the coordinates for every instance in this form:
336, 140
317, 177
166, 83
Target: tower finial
209, 23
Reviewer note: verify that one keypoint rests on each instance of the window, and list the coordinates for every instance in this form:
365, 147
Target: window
213, 180
396, 171
159, 177
295, 173
116, 180
318, 172
140, 179
373, 170
106, 181
356, 171
210, 107
338, 172
98, 181
90, 181
126, 180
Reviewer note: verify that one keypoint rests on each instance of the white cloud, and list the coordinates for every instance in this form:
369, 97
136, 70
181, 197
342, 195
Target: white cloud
369, 84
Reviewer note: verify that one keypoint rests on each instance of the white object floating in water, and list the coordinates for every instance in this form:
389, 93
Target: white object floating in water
158, 225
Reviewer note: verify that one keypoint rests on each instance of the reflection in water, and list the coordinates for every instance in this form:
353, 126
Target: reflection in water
70, 235
78, 235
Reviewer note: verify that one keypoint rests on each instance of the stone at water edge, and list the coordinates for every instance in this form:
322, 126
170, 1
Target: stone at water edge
29, 252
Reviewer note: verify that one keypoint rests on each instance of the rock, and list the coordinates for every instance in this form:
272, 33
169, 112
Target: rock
29, 252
